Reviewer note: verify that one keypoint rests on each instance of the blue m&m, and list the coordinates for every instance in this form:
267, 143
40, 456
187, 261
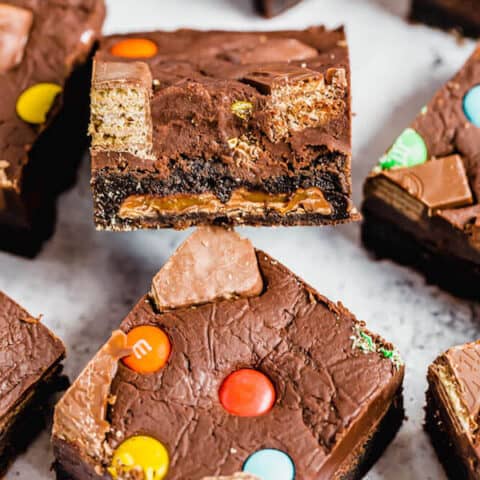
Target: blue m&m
270, 464
471, 105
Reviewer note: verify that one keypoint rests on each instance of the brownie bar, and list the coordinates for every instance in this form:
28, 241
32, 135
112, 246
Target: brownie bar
462, 16
421, 200
452, 410
193, 128
30, 369
271, 8
328, 393
44, 111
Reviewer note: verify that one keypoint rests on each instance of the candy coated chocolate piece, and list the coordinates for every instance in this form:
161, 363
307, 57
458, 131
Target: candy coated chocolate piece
215, 263
438, 183
151, 349
36, 101
471, 105
15, 24
408, 150
270, 464
247, 393
140, 453
135, 48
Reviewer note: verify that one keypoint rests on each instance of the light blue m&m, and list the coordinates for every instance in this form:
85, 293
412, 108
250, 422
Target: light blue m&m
471, 105
270, 464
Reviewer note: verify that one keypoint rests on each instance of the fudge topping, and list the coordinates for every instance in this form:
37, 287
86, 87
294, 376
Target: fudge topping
215, 264
440, 183
236, 476
461, 218
27, 351
464, 363
80, 415
15, 24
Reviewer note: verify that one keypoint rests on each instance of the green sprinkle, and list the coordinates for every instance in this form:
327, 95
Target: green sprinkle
386, 353
424, 110
242, 109
368, 339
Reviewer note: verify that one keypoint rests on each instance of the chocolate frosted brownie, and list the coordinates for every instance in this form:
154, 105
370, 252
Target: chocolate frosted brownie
462, 16
453, 408
43, 46
270, 8
421, 201
30, 368
193, 127
231, 368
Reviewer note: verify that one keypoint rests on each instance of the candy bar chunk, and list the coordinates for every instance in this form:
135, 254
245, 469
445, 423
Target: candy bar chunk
453, 410
30, 373
120, 108
217, 128
214, 390
232, 274
421, 201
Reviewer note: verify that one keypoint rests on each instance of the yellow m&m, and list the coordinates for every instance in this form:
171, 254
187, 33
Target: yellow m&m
36, 101
143, 454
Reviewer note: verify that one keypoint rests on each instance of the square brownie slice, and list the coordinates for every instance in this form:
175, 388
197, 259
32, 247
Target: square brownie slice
43, 112
271, 8
453, 408
421, 202
30, 368
192, 128
231, 365
462, 16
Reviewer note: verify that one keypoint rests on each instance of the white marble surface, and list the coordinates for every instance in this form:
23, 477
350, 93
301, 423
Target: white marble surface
84, 282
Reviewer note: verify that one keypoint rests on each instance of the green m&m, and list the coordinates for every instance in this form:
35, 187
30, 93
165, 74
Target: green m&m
408, 150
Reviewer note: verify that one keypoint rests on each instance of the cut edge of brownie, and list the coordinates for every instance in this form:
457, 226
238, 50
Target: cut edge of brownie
435, 15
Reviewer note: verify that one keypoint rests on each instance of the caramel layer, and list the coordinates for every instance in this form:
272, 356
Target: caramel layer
309, 200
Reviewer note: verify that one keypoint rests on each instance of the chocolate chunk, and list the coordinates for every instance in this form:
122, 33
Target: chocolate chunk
81, 414
113, 74
461, 218
271, 50
15, 24
215, 263
270, 8
439, 183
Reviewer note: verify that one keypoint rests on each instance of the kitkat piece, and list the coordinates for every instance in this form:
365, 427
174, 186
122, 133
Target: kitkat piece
30, 368
453, 409
232, 382
461, 16
421, 204
271, 8
201, 128
44, 47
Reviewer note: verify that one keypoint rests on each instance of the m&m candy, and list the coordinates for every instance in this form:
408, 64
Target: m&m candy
36, 101
408, 150
471, 105
247, 393
140, 453
134, 48
270, 464
151, 349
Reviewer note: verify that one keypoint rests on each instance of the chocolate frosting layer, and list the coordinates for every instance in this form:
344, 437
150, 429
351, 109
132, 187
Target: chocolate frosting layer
63, 31
27, 351
81, 414
211, 71
215, 264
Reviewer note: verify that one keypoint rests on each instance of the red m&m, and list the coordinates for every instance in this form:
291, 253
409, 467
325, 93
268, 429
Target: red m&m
151, 349
247, 393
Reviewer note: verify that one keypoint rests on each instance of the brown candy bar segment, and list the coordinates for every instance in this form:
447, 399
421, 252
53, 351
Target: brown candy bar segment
121, 118
272, 50
439, 183
15, 24
80, 415
213, 263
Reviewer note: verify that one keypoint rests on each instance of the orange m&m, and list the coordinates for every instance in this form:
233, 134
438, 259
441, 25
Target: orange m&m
134, 48
151, 349
247, 393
